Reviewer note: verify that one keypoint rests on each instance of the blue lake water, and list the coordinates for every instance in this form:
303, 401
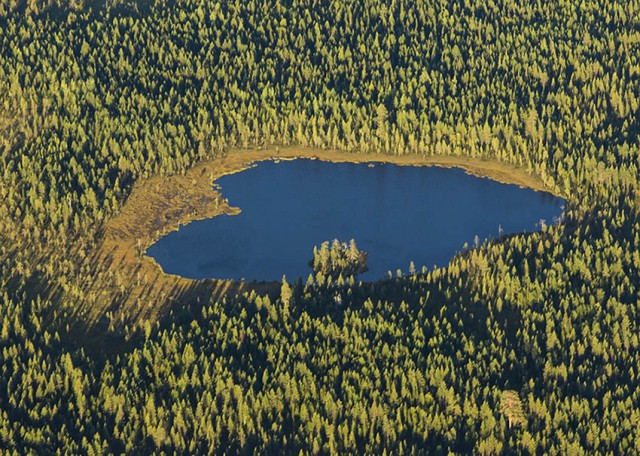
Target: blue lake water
397, 214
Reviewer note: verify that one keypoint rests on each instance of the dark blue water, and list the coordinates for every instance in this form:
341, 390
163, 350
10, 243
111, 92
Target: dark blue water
397, 214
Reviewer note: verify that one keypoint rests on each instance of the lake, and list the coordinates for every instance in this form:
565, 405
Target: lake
397, 214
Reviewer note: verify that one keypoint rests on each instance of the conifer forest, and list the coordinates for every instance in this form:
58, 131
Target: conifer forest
112, 111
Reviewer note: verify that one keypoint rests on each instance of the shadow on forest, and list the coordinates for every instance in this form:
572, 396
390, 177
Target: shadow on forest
118, 305
104, 304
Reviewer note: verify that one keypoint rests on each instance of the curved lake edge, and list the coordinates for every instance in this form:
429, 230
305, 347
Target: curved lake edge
159, 205
238, 160
401, 214
503, 173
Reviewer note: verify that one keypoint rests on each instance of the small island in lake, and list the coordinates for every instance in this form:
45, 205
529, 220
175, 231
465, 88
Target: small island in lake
338, 259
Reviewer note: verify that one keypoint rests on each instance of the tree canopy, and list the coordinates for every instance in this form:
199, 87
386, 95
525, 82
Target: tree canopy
525, 344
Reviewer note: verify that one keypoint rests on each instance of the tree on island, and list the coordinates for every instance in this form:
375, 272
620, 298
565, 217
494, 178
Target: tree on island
338, 259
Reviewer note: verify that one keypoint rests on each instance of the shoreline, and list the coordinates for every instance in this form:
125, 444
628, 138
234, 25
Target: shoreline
161, 204
490, 169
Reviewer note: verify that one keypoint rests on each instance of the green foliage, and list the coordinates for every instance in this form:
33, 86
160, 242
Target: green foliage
338, 260
524, 345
